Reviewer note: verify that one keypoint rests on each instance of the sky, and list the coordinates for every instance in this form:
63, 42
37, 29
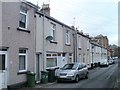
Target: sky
91, 16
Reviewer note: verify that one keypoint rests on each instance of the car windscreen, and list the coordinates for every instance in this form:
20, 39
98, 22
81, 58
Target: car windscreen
70, 66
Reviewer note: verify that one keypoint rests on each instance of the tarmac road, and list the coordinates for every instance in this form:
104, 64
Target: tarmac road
105, 77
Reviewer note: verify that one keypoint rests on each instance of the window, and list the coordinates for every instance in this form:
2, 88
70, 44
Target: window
87, 44
2, 61
23, 18
59, 54
51, 62
79, 42
22, 60
53, 31
48, 54
79, 57
70, 54
67, 37
63, 54
54, 54
96, 49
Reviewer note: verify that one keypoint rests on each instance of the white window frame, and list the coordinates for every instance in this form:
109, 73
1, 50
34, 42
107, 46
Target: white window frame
68, 37
53, 31
26, 14
79, 41
87, 44
52, 57
96, 49
23, 54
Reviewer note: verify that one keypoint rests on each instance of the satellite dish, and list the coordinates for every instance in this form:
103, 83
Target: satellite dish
49, 38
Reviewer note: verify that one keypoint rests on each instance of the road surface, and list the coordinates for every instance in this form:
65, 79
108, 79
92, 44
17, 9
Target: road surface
105, 77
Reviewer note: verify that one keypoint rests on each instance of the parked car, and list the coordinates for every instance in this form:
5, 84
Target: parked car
104, 63
111, 61
72, 72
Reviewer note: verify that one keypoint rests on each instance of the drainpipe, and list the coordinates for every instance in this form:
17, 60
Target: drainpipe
35, 18
74, 47
43, 43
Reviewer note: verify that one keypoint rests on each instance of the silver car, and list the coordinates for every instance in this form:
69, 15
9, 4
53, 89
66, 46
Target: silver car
111, 61
72, 72
104, 63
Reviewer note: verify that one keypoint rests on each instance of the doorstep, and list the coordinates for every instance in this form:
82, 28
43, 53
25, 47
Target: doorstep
39, 85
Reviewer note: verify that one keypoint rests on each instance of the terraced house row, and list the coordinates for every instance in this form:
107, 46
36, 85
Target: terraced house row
32, 40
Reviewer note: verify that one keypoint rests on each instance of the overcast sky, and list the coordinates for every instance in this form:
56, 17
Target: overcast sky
92, 16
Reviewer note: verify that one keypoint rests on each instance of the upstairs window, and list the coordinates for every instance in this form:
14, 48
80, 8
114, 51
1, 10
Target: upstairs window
79, 42
67, 37
23, 18
87, 44
53, 31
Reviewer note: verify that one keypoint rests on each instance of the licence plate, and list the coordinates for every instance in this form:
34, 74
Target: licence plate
62, 76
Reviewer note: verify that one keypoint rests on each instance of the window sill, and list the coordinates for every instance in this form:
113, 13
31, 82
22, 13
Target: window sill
22, 29
68, 44
53, 42
22, 72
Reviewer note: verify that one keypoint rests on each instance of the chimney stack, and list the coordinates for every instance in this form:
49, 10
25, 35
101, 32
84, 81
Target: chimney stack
81, 31
45, 9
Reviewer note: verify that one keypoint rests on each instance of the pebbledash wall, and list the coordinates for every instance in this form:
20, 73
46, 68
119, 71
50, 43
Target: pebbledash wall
19, 43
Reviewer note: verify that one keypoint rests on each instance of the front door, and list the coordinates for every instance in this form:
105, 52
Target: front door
38, 68
3, 69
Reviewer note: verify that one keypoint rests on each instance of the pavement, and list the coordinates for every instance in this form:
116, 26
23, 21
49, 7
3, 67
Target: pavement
41, 85
117, 84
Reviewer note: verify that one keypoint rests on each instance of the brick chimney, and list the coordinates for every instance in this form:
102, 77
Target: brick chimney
45, 9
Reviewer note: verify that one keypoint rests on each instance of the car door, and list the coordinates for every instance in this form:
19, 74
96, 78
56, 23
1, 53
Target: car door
84, 70
80, 70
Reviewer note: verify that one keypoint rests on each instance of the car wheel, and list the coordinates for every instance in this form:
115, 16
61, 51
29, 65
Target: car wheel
77, 79
58, 81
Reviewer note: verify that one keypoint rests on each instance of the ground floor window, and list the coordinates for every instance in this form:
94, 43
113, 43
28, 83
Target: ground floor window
22, 60
2, 61
51, 62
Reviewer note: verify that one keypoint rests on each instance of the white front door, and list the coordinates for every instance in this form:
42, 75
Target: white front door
3, 69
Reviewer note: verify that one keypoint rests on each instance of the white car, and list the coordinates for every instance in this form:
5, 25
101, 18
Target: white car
111, 61
104, 63
72, 72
